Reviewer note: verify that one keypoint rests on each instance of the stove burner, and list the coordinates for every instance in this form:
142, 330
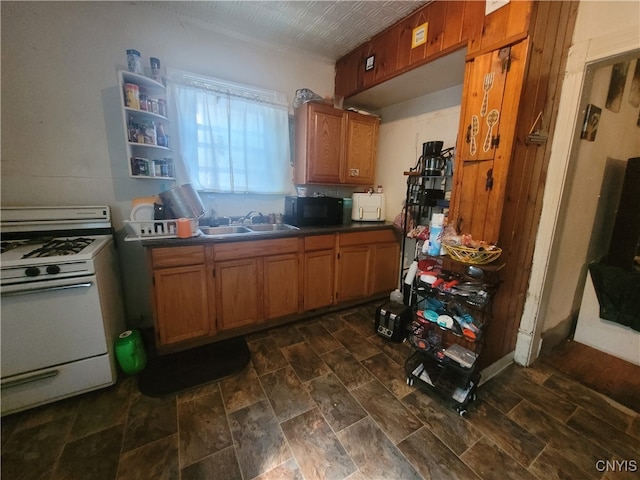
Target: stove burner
11, 244
60, 246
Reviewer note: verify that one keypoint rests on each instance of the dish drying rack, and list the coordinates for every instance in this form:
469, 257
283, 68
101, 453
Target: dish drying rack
157, 229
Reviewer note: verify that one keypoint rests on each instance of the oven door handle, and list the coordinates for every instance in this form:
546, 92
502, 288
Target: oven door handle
33, 378
47, 289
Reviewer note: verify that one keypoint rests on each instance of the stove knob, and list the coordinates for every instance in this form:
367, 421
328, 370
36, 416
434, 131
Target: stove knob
32, 272
53, 269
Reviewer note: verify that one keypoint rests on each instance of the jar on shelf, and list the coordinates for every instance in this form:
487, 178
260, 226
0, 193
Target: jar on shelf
155, 68
162, 107
132, 96
153, 105
133, 61
143, 102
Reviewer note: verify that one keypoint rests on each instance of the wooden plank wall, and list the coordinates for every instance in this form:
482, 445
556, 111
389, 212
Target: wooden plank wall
551, 32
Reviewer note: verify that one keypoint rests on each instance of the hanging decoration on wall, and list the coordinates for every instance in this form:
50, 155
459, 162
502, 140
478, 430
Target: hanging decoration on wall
537, 137
616, 86
634, 94
591, 122
369, 63
419, 35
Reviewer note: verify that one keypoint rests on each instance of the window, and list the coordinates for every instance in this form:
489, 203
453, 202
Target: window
231, 138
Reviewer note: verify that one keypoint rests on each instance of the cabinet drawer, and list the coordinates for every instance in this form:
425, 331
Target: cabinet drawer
177, 256
254, 248
367, 238
319, 242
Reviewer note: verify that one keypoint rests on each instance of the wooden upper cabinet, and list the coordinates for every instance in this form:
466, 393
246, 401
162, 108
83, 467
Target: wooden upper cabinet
319, 143
361, 147
506, 25
485, 78
334, 146
491, 100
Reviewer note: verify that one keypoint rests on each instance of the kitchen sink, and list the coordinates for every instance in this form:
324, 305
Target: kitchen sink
272, 227
231, 230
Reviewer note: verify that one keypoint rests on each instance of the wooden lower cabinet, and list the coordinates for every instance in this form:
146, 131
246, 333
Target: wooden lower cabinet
385, 268
184, 309
255, 281
238, 293
318, 275
202, 290
368, 264
280, 285
354, 264
318, 279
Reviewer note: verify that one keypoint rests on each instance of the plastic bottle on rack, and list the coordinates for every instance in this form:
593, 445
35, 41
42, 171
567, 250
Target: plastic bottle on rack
408, 282
435, 234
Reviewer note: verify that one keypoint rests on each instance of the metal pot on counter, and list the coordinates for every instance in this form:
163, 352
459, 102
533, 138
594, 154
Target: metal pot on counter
182, 202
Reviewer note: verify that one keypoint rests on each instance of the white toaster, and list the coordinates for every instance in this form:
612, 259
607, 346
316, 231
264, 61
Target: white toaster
368, 207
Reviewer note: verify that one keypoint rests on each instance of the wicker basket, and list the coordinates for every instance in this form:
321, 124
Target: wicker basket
472, 256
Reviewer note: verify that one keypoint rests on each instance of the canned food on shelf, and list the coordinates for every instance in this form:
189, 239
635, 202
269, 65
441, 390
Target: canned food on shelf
132, 95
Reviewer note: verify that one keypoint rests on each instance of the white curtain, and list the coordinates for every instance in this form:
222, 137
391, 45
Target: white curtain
232, 138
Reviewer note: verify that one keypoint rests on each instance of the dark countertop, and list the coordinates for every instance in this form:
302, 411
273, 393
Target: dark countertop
247, 237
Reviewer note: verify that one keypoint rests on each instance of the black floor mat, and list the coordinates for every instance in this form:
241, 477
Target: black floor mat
167, 374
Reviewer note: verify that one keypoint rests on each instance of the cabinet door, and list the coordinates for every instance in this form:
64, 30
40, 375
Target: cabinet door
181, 304
319, 276
280, 285
485, 80
493, 84
354, 263
239, 294
361, 147
386, 268
324, 144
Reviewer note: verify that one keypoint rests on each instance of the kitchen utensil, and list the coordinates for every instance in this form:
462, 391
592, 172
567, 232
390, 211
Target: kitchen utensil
475, 128
183, 201
492, 119
486, 86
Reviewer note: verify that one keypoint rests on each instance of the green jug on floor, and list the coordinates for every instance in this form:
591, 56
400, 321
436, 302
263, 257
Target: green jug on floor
130, 352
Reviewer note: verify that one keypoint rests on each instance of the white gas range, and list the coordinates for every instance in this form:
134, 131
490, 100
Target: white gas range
61, 306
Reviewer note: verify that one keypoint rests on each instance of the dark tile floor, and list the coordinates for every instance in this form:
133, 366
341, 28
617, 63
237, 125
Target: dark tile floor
326, 398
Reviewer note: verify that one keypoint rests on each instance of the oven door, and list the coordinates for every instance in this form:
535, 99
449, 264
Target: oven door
50, 323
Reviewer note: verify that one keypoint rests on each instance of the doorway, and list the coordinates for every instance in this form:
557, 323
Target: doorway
548, 287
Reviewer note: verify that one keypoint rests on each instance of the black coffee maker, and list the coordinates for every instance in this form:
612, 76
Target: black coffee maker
431, 162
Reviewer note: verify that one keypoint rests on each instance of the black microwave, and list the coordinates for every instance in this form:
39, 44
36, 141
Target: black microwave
313, 211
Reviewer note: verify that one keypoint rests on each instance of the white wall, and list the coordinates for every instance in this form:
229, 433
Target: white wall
403, 130
61, 131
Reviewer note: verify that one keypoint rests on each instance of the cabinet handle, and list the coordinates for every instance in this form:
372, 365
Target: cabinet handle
489, 184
